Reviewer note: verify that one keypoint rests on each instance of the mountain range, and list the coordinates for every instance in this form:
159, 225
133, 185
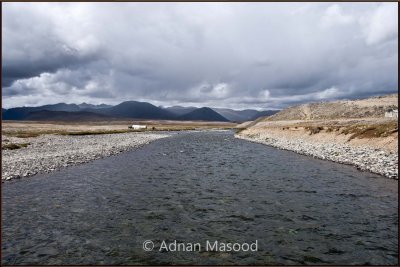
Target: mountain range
129, 110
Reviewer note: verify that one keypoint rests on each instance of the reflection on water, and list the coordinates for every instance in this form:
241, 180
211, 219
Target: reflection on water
195, 187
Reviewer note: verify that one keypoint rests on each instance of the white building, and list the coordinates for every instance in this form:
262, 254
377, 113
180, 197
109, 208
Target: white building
392, 113
138, 127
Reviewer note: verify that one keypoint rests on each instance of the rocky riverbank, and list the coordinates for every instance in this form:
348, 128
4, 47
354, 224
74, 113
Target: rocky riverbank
363, 157
48, 153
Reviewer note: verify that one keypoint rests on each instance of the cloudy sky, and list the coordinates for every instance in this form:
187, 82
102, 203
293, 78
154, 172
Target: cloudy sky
235, 55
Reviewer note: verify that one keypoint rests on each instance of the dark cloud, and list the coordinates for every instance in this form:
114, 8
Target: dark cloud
238, 55
32, 46
22, 69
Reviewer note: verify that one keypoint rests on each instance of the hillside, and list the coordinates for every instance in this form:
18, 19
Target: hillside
86, 105
264, 113
22, 113
373, 107
46, 115
136, 110
178, 110
243, 115
203, 114
132, 110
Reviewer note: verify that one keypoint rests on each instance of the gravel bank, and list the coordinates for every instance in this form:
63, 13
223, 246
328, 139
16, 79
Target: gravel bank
48, 153
364, 158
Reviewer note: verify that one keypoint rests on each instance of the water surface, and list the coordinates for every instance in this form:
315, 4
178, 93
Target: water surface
195, 187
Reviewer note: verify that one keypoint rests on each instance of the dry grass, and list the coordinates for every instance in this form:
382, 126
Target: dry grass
13, 146
371, 131
355, 129
314, 129
238, 130
377, 133
93, 132
29, 129
26, 135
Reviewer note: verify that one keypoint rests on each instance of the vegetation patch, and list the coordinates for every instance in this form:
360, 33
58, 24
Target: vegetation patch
373, 131
151, 129
13, 146
370, 130
26, 135
95, 132
330, 129
359, 130
314, 129
238, 130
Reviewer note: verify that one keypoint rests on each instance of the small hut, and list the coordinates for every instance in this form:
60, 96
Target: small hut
137, 127
392, 113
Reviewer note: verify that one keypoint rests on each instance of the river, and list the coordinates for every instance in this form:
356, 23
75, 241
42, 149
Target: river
199, 186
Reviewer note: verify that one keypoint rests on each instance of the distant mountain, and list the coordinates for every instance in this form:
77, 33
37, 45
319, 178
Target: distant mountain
264, 113
131, 109
23, 112
47, 115
178, 110
61, 107
203, 114
236, 115
86, 106
243, 115
136, 110
17, 113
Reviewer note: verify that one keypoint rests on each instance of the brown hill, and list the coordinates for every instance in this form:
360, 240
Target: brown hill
373, 107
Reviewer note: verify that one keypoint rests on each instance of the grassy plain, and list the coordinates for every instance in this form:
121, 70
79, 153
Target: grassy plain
26, 129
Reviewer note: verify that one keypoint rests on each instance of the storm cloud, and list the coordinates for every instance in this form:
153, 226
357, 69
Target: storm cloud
235, 55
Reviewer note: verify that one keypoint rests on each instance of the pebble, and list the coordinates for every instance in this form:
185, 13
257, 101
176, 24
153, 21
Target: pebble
48, 153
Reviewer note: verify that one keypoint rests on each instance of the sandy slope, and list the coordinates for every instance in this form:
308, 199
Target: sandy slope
374, 107
298, 130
